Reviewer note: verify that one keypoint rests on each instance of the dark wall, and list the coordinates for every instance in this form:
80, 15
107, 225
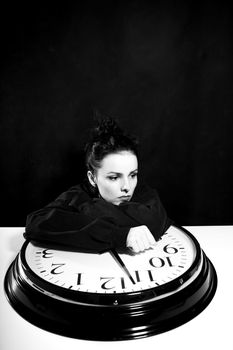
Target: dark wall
164, 70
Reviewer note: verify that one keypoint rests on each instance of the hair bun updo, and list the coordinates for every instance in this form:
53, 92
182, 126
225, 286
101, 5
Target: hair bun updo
107, 137
107, 126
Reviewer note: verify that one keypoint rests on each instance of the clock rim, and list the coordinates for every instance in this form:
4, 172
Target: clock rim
125, 323
111, 323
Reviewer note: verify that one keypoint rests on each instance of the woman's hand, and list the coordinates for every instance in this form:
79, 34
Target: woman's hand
139, 239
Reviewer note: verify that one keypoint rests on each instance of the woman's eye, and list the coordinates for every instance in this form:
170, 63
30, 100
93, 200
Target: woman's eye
134, 175
112, 178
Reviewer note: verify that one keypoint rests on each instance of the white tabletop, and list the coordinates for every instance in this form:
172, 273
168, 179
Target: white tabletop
212, 329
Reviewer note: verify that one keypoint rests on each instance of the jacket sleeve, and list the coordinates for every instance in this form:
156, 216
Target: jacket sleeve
61, 226
148, 210
76, 222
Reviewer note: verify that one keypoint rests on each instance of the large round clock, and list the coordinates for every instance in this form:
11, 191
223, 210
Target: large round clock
114, 295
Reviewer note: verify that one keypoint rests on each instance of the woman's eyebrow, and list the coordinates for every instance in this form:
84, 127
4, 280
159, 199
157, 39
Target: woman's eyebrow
113, 172
116, 173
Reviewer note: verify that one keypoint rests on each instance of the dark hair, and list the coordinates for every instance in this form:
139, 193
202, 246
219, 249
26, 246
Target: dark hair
106, 138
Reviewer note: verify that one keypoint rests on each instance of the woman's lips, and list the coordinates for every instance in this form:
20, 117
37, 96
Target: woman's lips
125, 197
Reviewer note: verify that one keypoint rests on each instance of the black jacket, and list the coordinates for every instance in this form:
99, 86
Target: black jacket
79, 220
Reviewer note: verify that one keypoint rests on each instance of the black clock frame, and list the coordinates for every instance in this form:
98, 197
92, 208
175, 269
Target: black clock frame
118, 316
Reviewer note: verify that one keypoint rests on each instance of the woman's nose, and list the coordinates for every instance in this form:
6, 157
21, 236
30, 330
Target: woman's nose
125, 186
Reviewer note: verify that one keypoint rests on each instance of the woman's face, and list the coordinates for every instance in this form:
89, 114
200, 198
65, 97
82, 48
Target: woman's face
116, 179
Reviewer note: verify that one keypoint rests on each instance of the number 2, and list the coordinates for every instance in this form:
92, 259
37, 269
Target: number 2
54, 272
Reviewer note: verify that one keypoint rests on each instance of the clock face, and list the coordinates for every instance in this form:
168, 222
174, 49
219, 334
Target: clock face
116, 295
172, 257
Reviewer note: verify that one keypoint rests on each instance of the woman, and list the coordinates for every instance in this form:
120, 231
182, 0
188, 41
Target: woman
109, 210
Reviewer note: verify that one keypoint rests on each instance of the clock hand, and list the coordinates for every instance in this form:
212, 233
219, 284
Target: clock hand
117, 257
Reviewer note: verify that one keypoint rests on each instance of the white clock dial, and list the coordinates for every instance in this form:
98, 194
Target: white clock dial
116, 296
101, 273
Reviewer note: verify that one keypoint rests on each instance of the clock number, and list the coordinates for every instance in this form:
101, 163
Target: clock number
137, 276
161, 262
170, 250
122, 283
150, 275
79, 278
169, 261
46, 254
54, 270
107, 280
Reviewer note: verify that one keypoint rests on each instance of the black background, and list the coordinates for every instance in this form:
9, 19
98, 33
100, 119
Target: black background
163, 68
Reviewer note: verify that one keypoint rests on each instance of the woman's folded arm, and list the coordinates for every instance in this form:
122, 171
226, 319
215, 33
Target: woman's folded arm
71, 230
